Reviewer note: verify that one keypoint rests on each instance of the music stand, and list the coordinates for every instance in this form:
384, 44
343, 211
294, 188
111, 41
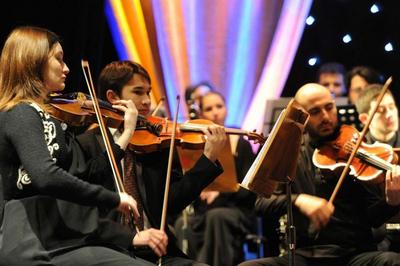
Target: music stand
277, 160
273, 108
347, 114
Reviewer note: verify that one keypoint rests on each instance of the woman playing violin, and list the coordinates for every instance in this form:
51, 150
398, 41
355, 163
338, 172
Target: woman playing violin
221, 220
42, 198
126, 80
326, 233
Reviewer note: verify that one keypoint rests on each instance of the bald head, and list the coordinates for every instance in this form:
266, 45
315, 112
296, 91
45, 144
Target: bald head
317, 100
308, 92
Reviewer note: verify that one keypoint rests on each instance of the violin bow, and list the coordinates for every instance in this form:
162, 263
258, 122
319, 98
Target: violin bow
158, 106
169, 170
360, 139
107, 143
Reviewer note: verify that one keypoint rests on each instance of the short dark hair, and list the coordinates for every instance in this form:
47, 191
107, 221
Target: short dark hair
367, 95
332, 68
117, 74
369, 74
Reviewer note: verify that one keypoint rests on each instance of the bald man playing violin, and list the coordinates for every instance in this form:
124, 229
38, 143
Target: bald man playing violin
329, 234
127, 83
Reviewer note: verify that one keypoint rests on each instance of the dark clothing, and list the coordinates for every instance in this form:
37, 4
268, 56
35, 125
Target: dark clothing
220, 228
387, 239
358, 207
151, 173
363, 259
44, 219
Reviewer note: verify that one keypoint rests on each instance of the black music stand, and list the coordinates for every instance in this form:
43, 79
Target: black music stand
347, 114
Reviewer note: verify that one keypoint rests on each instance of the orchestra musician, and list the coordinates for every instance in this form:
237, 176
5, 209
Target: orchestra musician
221, 220
126, 80
326, 233
50, 216
384, 128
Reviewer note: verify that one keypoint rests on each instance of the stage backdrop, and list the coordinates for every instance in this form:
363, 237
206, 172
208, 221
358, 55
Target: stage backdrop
245, 48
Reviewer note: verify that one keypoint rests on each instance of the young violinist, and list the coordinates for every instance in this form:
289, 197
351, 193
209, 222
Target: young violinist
126, 80
385, 123
384, 128
221, 220
326, 233
50, 216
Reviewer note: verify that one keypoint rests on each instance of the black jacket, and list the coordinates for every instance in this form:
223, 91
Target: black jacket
184, 188
358, 207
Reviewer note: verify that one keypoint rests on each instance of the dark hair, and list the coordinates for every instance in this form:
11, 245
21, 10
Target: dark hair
369, 74
210, 93
117, 74
367, 95
332, 68
190, 89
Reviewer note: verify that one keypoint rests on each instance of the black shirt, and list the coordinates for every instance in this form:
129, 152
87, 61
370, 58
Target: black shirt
358, 207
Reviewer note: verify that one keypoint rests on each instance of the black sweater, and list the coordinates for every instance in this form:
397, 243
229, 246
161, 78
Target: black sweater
28, 169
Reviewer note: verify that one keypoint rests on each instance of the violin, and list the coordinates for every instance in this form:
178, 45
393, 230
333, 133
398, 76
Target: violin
77, 110
370, 163
151, 133
189, 135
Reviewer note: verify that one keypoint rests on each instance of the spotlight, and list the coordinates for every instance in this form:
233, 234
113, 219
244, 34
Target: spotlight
346, 38
389, 47
310, 20
375, 8
313, 61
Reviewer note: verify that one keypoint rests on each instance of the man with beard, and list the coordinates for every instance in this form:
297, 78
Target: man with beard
338, 233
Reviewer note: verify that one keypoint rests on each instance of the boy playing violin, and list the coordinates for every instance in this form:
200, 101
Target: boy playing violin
126, 80
326, 233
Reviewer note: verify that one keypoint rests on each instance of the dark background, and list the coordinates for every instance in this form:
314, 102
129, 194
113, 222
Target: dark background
370, 32
83, 27
81, 24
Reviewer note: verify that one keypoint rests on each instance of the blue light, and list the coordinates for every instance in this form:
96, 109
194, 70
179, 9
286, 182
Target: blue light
237, 100
313, 61
375, 9
310, 20
115, 32
388, 47
346, 38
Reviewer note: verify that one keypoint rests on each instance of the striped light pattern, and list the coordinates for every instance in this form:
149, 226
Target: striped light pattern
245, 48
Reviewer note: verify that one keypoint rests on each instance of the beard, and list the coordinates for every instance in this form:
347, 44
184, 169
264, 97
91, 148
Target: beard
317, 140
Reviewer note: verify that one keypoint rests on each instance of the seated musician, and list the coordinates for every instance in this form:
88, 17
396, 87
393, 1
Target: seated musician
221, 220
126, 80
50, 215
337, 233
384, 128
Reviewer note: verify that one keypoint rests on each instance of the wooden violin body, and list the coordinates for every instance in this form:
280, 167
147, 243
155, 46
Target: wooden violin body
189, 135
371, 160
80, 112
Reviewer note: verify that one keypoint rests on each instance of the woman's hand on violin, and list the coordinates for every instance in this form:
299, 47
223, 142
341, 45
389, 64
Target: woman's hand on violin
392, 187
155, 239
215, 141
128, 204
317, 209
130, 119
